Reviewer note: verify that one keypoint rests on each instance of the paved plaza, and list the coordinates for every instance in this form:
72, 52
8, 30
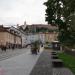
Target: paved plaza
22, 62
11, 53
43, 65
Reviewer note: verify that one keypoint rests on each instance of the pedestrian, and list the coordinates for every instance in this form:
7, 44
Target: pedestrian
5, 48
12, 47
2, 47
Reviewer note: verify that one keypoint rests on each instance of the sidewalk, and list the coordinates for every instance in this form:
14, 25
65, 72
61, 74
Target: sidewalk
19, 65
43, 65
28, 64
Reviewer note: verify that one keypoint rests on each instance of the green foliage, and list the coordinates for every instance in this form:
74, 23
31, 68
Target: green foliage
68, 60
53, 11
56, 9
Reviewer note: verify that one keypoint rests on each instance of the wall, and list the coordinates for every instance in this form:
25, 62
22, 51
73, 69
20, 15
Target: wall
50, 36
2, 39
7, 39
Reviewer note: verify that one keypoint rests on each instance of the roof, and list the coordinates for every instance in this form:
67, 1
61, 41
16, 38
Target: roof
3, 29
7, 29
42, 26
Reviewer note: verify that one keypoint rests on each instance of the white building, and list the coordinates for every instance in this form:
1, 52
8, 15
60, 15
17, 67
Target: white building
42, 37
35, 37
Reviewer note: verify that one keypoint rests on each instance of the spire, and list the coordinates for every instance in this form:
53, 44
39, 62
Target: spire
25, 23
17, 25
24, 26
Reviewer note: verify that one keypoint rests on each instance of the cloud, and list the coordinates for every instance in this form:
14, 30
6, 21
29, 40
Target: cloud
17, 11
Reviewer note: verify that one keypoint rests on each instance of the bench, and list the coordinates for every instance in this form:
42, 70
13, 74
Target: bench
54, 57
57, 63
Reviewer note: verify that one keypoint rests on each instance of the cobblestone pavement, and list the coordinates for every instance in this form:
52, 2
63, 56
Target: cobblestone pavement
43, 65
11, 53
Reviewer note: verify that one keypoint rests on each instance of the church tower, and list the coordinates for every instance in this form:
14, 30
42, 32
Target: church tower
24, 26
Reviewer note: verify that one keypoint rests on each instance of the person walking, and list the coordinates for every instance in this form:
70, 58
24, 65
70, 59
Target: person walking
3, 48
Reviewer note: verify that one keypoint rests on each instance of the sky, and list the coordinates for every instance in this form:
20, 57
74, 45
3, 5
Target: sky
14, 12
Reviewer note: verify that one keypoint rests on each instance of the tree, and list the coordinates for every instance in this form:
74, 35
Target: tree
58, 9
53, 11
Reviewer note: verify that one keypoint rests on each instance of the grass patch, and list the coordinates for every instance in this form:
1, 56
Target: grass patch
69, 61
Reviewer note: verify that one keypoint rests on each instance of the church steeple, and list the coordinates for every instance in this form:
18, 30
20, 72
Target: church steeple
25, 23
24, 26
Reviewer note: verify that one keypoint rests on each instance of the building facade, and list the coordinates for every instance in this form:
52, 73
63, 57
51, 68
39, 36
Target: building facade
51, 36
9, 38
42, 32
